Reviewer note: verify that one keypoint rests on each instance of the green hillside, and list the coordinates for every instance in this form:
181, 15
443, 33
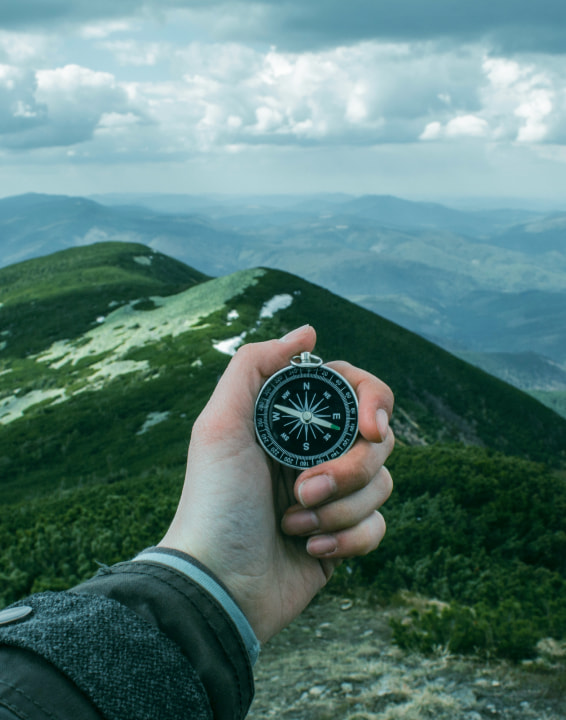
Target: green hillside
109, 352
61, 295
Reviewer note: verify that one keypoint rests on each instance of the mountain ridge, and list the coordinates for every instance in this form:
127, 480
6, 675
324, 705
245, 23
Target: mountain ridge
499, 287
136, 352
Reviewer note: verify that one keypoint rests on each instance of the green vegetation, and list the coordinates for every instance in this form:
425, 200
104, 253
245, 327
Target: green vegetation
480, 532
484, 534
60, 296
95, 419
56, 542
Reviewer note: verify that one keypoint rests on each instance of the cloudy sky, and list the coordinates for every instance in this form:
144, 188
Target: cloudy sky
432, 99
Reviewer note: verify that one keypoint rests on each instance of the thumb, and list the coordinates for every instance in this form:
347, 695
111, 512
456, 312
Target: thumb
231, 405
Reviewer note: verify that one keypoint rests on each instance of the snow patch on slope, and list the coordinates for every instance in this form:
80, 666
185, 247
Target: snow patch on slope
229, 346
14, 406
278, 302
154, 418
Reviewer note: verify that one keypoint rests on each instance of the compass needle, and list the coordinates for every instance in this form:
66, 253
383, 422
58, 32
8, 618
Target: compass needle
324, 423
289, 411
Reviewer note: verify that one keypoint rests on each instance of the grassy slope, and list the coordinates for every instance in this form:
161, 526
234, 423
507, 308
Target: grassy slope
60, 296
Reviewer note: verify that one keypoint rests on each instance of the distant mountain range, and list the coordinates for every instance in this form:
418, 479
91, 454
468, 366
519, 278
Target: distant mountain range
473, 282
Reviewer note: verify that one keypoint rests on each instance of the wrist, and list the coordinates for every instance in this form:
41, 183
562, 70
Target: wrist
200, 574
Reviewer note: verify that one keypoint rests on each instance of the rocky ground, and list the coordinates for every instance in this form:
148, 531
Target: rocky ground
337, 662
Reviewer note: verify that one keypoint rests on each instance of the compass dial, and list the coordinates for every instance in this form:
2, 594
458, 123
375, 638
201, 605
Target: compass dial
306, 415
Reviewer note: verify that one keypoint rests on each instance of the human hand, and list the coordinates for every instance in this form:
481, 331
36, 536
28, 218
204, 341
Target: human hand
246, 517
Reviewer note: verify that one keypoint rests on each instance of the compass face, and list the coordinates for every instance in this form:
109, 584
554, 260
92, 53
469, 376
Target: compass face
306, 415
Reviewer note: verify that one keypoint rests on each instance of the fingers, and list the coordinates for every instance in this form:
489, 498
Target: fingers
359, 540
338, 500
346, 527
340, 514
346, 523
344, 475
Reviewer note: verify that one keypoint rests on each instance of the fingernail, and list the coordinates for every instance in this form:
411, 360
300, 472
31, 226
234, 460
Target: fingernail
300, 522
382, 421
293, 334
322, 545
316, 490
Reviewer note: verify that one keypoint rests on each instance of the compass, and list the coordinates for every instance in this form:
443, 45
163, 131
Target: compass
306, 413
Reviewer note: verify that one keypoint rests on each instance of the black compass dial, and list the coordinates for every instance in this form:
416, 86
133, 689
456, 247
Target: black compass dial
306, 415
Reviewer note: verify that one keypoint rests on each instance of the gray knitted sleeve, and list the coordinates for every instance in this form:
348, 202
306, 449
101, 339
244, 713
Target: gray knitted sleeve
126, 667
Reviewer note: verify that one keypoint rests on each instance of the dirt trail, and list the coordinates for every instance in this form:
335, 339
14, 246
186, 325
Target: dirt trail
336, 662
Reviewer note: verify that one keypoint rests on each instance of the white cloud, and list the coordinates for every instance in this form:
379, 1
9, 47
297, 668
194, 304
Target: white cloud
467, 126
24, 49
534, 113
502, 73
163, 100
344, 95
519, 101
73, 100
9, 76
19, 110
432, 131
461, 126
104, 28
112, 120
72, 78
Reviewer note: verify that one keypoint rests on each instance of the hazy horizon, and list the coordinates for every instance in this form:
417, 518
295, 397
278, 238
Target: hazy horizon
464, 203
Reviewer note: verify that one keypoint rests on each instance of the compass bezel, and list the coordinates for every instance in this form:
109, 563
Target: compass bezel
344, 398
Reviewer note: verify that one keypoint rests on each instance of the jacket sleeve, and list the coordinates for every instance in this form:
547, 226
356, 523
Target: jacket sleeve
140, 640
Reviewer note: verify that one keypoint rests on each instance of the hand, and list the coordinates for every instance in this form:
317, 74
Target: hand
246, 517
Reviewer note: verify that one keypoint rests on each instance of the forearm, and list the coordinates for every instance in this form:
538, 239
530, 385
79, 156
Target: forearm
140, 639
